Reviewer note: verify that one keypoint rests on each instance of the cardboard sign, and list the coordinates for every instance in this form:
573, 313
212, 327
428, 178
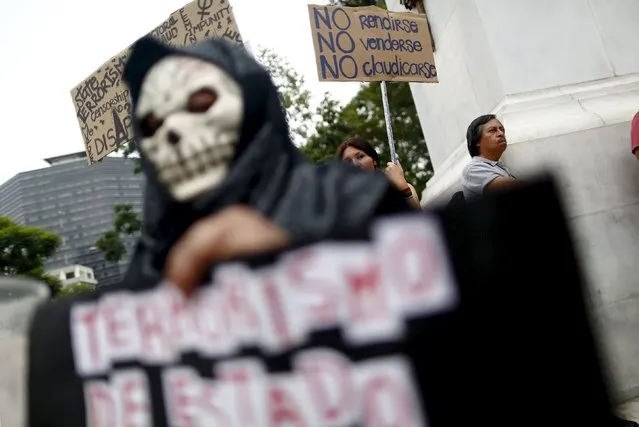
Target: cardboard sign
371, 44
102, 101
363, 292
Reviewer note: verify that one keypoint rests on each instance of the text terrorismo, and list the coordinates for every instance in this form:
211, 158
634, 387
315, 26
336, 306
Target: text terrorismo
366, 290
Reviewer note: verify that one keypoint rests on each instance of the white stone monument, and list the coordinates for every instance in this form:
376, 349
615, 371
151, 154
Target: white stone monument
563, 76
18, 299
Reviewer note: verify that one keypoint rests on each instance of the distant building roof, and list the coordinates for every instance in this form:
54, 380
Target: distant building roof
66, 158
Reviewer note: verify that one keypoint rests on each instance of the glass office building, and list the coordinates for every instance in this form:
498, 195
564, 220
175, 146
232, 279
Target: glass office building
76, 201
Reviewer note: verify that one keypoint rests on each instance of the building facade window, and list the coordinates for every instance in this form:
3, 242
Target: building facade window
75, 200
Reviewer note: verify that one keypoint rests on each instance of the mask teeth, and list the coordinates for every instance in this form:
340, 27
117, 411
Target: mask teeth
197, 165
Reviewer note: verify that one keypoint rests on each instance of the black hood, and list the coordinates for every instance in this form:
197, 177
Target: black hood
268, 172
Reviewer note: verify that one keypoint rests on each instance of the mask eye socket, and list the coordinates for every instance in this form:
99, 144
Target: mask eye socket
150, 124
201, 101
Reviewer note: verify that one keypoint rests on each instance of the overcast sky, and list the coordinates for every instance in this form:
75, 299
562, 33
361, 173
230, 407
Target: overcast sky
47, 47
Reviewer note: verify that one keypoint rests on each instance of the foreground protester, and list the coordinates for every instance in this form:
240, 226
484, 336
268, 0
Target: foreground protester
224, 118
216, 151
363, 155
486, 140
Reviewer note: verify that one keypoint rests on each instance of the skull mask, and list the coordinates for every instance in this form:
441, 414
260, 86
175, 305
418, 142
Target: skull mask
190, 116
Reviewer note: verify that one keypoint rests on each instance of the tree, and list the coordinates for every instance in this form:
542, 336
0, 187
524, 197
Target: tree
330, 131
126, 222
363, 117
414, 4
408, 4
24, 251
294, 96
366, 114
359, 3
78, 288
110, 244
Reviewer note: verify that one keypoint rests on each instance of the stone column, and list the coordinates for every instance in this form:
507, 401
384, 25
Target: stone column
563, 76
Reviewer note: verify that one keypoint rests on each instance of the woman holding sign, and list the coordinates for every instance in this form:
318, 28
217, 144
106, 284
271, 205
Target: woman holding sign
362, 154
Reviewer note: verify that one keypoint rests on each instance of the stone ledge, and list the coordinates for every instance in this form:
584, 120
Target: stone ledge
546, 113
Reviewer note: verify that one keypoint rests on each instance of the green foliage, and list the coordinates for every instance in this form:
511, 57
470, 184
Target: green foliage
110, 244
78, 288
126, 222
24, 251
330, 131
24, 248
413, 4
363, 117
359, 3
408, 4
295, 97
52, 282
129, 151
